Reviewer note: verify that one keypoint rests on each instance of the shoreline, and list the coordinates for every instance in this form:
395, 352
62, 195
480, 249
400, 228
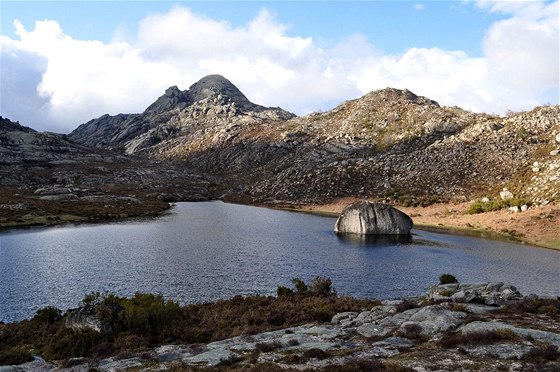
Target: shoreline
536, 227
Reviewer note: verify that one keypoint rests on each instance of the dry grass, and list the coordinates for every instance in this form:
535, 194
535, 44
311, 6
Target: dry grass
147, 320
451, 340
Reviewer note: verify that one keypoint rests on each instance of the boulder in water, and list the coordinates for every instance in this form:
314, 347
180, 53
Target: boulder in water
364, 217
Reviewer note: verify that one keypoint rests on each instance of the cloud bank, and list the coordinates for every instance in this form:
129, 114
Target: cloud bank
51, 81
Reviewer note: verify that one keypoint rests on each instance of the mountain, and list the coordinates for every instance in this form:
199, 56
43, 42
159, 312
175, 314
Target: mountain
389, 143
213, 102
47, 178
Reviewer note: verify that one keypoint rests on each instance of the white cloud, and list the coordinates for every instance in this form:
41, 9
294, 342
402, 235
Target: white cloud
419, 6
53, 81
521, 53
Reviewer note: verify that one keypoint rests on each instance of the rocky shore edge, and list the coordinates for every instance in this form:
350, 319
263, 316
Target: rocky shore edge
483, 327
537, 227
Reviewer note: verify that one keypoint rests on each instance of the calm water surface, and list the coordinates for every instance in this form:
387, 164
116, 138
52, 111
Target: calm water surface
207, 251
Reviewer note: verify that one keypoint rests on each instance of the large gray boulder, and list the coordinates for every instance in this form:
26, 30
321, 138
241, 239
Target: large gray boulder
364, 217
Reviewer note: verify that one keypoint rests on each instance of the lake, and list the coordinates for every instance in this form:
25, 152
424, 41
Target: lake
213, 250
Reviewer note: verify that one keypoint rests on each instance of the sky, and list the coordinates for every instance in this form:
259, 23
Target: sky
64, 63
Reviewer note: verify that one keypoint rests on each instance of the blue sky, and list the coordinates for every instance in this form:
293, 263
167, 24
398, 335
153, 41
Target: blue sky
66, 62
391, 26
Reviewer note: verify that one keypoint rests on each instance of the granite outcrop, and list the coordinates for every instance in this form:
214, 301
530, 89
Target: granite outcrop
365, 218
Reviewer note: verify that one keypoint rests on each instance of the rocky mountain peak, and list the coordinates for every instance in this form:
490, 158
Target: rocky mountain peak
399, 96
172, 98
172, 91
215, 86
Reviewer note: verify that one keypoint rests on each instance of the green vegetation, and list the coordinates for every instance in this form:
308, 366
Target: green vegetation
319, 287
495, 205
418, 201
139, 323
447, 279
522, 133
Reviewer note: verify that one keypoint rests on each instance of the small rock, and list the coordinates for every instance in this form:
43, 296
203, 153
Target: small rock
464, 296
395, 343
494, 299
555, 152
436, 318
373, 330
506, 195
485, 200
494, 287
343, 317
524, 208
514, 209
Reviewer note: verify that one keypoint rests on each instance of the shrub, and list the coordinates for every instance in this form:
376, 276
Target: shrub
477, 338
283, 291
265, 347
321, 286
315, 353
92, 299
447, 279
363, 365
495, 205
293, 342
533, 305
15, 355
48, 315
301, 287
542, 354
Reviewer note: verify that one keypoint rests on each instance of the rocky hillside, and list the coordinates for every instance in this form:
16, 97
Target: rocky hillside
46, 178
177, 117
19, 143
387, 144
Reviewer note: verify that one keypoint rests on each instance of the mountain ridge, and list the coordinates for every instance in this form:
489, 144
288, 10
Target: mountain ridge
390, 144
174, 113
387, 143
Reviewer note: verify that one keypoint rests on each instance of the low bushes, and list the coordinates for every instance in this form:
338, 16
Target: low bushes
319, 287
145, 320
495, 205
532, 305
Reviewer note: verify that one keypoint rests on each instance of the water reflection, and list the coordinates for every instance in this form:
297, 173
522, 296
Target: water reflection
374, 240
